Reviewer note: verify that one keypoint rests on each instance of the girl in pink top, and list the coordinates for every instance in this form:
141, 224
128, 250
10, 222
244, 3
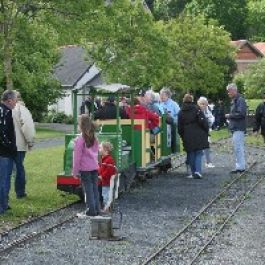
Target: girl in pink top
85, 163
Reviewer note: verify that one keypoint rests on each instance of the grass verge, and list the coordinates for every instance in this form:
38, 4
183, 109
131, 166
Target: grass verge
43, 133
42, 167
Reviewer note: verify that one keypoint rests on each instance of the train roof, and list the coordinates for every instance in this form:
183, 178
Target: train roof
112, 88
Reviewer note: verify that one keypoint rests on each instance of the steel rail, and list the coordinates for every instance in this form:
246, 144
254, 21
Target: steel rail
150, 258
33, 235
38, 218
226, 220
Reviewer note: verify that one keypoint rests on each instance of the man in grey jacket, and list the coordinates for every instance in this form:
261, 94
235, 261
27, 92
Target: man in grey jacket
237, 125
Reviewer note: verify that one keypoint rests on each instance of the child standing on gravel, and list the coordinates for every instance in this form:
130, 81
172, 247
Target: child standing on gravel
106, 170
85, 163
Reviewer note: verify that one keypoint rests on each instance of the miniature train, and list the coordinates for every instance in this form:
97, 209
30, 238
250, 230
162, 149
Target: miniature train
135, 155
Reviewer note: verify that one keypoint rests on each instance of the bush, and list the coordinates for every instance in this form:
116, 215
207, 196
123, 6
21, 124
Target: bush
58, 117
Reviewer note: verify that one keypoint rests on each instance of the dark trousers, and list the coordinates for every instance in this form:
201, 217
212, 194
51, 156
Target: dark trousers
20, 179
89, 180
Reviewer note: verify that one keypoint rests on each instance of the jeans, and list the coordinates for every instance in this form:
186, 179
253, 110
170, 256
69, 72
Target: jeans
195, 161
89, 180
105, 194
5, 165
207, 155
238, 139
20, 179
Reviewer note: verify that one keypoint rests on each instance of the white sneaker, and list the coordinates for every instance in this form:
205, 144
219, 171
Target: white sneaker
190, 177
81, 215
209, 165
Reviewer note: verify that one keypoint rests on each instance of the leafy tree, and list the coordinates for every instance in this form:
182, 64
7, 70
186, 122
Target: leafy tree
201, 55
253, 80
256, 20
166, 9
127, 45
230, 14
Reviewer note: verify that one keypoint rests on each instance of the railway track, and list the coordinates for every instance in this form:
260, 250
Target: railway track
37, 227
189, 244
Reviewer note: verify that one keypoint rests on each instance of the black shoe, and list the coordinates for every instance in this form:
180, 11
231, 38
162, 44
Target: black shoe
237, 171
22, 196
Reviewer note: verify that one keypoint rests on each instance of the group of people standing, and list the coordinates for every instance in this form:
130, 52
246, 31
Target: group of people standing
17, 133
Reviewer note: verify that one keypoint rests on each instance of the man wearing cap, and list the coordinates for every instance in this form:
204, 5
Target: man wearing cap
259, 122
237, 125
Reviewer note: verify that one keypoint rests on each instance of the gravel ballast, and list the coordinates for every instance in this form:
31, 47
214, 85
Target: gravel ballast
152, 214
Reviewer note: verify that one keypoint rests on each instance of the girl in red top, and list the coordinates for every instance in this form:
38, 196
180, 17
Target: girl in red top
106, 170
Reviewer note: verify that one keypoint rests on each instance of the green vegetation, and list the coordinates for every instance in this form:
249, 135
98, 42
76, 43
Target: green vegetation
42, 167
255, 139
43, 133
253, 103
218, 135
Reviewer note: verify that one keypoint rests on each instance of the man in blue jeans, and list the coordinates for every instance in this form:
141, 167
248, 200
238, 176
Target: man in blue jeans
237, 125
8, 147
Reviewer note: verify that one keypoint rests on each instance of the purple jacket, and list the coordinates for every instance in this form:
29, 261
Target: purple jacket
84, 159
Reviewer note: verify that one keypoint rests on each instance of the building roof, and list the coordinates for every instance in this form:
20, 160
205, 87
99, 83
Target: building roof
239, 44
72, 65
260, 46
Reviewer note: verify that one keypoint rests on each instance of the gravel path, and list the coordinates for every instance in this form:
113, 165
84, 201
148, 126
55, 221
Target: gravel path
152, 213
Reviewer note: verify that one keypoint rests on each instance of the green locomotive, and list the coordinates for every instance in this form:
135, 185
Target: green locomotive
134, 154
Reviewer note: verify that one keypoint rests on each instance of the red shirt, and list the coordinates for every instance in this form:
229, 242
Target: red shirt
141, 112
106, 170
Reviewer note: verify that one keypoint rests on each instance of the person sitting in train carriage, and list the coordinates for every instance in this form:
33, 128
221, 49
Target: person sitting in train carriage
141, 112
150, 102
109, 110
169, 105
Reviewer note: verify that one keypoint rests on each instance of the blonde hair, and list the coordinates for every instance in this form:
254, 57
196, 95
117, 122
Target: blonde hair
88, 129
107, 146
202, 100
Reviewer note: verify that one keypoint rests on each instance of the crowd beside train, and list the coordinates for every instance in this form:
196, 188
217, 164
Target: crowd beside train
193, 120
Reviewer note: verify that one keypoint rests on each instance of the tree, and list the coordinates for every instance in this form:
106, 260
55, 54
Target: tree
201, 55
256, 20
230, 14
253, 80
166, 9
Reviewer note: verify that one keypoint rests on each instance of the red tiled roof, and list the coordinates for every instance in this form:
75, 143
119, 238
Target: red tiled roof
260, 46
241, 43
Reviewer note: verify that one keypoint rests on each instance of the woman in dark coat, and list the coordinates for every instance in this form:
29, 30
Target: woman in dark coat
193, 129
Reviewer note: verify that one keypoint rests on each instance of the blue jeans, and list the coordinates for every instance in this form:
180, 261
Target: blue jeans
207, 155
195, 161
105, 194
89, 180
20, 180
5, 165
238, 138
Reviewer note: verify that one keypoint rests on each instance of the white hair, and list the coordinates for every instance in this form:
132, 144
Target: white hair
231, 86
202, 99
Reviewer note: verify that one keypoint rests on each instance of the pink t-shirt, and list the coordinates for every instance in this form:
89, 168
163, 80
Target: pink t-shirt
84, 159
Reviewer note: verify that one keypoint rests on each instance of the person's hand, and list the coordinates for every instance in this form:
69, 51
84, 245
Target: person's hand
100, 177
227, 116
75, 177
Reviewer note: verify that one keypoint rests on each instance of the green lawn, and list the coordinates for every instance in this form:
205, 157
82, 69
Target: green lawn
218, 135
43, 133
42, 167
256, 140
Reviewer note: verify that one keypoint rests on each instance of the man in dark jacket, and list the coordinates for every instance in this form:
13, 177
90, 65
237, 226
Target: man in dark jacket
259, 123
8, 147
193, 129
109, 111
237, 125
